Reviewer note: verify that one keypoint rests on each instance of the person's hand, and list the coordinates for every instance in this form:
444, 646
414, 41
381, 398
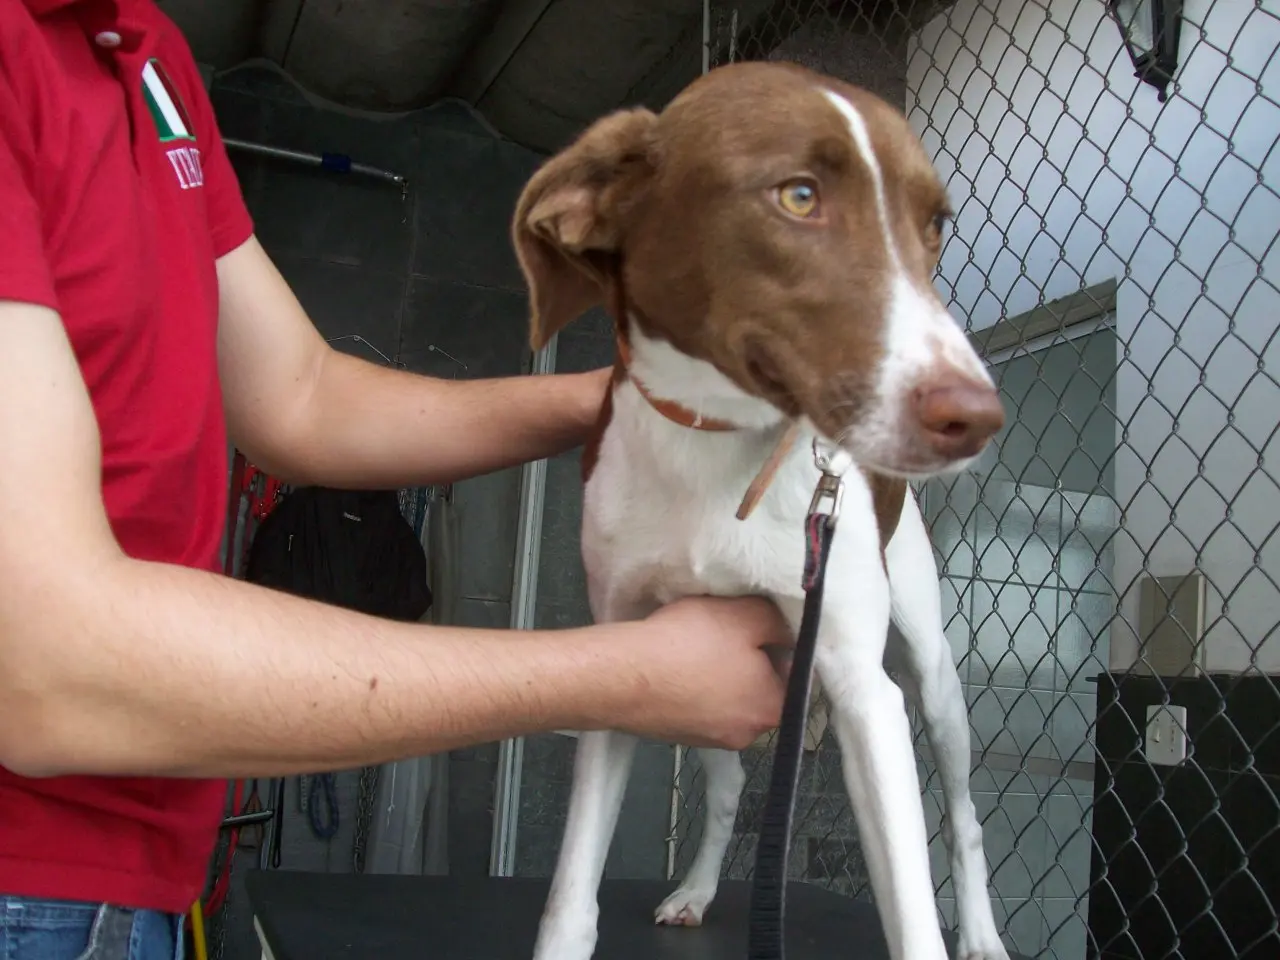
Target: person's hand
713, 671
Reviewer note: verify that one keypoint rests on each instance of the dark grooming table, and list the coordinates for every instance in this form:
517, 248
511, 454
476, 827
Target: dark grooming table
321, 916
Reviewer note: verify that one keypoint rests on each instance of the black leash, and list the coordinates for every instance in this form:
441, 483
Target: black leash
765, 924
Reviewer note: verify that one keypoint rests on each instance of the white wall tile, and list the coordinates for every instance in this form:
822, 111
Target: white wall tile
1014, 834
1068, 835
1065, 933
1013, 627
1011, 721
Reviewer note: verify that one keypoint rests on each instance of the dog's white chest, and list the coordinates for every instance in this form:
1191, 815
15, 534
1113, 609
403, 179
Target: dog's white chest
677, 552
659, 514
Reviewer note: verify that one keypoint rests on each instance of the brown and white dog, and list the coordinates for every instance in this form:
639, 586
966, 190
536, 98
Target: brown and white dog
767, 245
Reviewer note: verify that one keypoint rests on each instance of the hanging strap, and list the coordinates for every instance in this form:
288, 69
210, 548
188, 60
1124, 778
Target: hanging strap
765, 923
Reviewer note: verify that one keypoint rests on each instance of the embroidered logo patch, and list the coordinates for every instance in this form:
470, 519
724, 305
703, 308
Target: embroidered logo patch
173, 123
165, 104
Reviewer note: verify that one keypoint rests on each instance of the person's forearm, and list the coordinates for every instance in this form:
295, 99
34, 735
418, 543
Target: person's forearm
142, 668
367, 425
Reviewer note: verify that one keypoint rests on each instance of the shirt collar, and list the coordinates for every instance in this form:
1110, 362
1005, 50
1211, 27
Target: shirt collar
123, 17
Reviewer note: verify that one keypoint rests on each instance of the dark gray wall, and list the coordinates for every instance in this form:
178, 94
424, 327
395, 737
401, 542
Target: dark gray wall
861, 54
433, 269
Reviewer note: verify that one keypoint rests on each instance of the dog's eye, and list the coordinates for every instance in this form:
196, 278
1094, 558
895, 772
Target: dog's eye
799, 198
939, 223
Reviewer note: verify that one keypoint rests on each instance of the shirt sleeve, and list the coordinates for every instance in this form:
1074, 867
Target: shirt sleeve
24, 265
230, 224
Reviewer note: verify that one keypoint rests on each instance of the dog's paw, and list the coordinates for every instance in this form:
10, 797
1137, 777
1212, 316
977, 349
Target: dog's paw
684, 908
566, 938
981, 948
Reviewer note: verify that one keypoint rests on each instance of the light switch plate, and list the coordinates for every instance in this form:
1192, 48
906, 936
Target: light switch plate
1166, 742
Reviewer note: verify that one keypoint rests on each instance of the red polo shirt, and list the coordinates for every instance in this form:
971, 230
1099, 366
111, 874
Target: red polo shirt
116, 198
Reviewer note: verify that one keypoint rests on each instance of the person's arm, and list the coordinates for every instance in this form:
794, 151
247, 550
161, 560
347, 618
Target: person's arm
311, 414
111, 665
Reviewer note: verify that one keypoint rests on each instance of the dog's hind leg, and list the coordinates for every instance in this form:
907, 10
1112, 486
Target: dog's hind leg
922, 657
724, 782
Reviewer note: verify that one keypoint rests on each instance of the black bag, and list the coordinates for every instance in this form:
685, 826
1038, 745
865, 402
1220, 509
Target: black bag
349, 548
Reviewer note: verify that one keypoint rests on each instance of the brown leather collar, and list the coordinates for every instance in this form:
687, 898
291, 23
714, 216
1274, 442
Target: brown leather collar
675, 412
682, 415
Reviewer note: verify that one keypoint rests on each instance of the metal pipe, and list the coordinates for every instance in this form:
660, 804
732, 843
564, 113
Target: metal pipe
673, 820
524, 601
336, 162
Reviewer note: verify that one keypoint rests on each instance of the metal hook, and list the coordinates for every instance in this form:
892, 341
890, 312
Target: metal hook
359, 339
832, 462
829, 458
432, 348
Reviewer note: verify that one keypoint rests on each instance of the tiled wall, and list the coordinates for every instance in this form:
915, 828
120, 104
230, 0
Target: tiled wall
1025, 628
422, 278
1036, 830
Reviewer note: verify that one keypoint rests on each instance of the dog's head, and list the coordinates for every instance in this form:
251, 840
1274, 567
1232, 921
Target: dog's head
782, 228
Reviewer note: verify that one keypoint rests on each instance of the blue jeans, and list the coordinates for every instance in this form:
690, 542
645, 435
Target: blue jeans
63, 930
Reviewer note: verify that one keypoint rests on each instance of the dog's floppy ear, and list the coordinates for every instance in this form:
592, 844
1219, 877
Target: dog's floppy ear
571, 216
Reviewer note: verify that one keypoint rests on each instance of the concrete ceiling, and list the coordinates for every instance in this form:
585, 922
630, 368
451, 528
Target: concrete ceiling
538, 70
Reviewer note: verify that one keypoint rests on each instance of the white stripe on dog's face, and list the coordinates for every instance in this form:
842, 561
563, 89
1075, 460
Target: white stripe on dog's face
919, 334
921, 340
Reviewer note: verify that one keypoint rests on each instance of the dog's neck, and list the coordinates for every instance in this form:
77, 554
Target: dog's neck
681, 388
685, 391
673, 410
689, 391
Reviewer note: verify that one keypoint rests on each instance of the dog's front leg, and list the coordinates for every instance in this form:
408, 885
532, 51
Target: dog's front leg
870, 721
568, 928
600, 769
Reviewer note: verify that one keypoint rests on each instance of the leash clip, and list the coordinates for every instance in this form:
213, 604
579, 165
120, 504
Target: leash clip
832, 462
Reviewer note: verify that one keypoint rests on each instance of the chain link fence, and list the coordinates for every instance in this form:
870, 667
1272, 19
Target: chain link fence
1110, 569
